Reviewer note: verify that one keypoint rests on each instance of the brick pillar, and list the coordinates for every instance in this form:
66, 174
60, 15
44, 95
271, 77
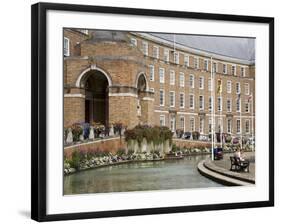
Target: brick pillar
74, 108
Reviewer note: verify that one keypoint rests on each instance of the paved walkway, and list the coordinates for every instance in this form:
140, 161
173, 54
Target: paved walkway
225, 163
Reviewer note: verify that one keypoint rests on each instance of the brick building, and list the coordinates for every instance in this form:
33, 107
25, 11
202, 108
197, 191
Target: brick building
141, 78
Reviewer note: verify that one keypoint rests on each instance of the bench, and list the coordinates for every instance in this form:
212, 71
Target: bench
237, 164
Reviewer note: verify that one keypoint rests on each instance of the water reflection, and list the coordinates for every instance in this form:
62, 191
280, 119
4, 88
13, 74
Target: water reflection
160, 175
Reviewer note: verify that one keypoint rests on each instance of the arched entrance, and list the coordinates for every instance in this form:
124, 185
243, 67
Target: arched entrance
96, 85
141, 88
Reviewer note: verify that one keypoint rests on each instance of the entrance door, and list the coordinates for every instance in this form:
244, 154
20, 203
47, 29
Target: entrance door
87, 111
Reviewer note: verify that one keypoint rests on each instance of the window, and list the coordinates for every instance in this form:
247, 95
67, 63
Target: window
247, 108
238, 105
161, 97
161, 75
186, 60
162, 120
201, 125
134, 42
201, 82
191, 81
238, 126
182, 123
155, 52
172, 98
228, 105
220, 126
196, 62
172, 77
229, 126
224, 69
219, 103
209, 84
201, 102
172, 124
166, 55
237, 87
206, 64
247, 126
176, 57
66, 50
145, 48
191, 101
228, 86
210, 103
242, 71
233, 70
181, 79
192, 124
210, 125
151, 72
247, 89
214, 67
181, 100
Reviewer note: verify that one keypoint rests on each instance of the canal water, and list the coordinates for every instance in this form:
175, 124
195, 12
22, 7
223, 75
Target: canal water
141, 176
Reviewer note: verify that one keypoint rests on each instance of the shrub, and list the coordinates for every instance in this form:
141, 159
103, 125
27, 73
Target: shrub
76, 131
195, 135
75, 160
120, 152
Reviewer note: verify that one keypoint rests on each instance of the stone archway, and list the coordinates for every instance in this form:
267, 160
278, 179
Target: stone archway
95, 83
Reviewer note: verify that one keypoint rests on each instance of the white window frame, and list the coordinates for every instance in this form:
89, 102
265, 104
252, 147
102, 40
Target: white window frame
215, 67
176, 57
161, 75
145, 47
191, 85
224, 68
196, 62
182, 123
238, 104
193, 103
247, 88
201, 82
220, 104
233, 70
173, 124
201, 125
206, 67
151, 72
163, 96
229, 86
210, 106
157, 52
166, 55
201, 103
172, 77
182, 79
238, 131
247, 107
163, 118
182, 103
66, 46
186, 60
173, 101
242, 70
229, 126
237, 90
192, 124
247, 131
229, 109
134, 41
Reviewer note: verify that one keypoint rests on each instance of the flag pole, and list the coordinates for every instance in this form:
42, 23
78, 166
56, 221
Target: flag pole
252, 104
221, 124
241, 129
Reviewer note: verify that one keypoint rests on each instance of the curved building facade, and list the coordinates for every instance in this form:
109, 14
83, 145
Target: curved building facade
142, 78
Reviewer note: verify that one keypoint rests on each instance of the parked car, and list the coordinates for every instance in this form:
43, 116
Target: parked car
203, 138
186, 135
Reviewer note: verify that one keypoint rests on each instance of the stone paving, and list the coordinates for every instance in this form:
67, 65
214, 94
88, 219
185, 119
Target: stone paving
225, 163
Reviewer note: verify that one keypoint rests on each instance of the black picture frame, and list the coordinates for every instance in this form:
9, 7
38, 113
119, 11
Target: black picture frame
39, 114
